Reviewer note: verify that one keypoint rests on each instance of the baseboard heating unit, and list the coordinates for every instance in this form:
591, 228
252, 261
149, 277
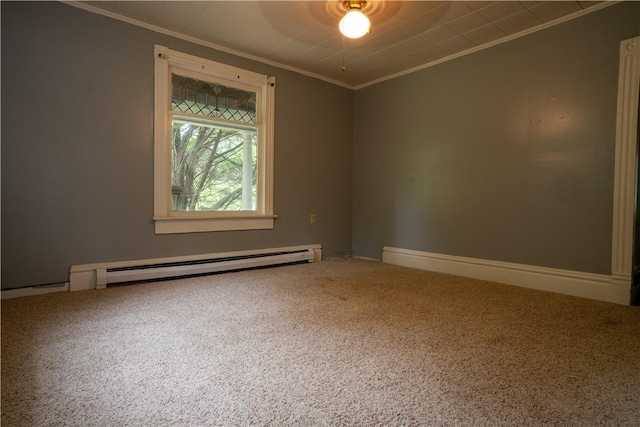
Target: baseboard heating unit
98, 276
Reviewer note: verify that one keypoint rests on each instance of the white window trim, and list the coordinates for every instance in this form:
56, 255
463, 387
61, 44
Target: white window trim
168, 221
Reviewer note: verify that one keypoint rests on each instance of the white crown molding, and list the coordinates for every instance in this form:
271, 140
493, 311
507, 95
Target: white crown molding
99, 11
586, 285
491, 44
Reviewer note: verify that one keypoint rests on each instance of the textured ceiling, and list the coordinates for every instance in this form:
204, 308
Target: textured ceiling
303, 35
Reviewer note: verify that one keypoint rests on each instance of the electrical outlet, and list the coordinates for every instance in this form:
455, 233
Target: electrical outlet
312, 218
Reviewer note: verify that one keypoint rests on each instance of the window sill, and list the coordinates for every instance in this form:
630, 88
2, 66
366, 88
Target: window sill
200, 225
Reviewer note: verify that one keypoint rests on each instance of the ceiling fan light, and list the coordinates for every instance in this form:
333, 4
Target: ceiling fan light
354, 24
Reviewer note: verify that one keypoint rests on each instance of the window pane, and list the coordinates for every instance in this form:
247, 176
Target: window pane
209, 99
213, 168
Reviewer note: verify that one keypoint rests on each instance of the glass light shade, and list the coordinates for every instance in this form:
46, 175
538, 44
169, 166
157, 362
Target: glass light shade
354, 24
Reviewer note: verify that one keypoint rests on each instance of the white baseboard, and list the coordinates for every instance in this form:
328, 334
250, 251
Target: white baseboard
366, 258
35, 290
586, 285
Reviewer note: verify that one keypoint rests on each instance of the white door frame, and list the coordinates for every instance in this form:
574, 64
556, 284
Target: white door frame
624, 193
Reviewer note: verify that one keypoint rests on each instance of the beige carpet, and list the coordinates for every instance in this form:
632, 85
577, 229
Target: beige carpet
340, 343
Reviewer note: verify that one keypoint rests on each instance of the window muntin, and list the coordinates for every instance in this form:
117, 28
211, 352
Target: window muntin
214, 146
212, 99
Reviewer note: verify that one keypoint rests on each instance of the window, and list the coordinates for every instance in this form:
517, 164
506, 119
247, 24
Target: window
213, 146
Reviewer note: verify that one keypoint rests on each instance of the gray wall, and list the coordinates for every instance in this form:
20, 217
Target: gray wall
506, 154
77, 149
